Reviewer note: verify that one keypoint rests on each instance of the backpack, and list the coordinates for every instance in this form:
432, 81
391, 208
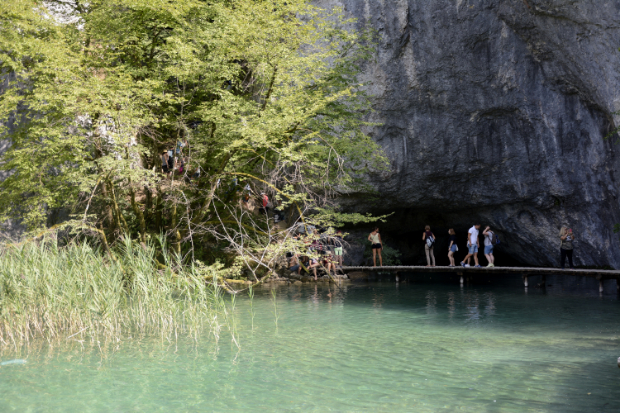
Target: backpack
494, 239
430, 241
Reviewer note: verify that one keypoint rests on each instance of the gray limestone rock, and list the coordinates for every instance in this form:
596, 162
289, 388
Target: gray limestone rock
497, 111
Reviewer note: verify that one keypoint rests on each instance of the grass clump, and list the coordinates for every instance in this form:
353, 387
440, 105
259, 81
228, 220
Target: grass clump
53, 292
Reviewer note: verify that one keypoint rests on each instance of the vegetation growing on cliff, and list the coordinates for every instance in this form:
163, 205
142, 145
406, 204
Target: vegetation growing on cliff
265, 94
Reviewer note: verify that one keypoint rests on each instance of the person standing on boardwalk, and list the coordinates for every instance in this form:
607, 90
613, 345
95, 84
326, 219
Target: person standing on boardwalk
452, 247
472, 245
377, 246
488, 246
566, 246
429, 243
338, 251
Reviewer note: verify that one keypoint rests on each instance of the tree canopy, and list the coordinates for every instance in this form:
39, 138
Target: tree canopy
251, 96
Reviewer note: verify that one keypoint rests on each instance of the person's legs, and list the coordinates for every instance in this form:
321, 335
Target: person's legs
451, 258
562, 257
466, 259
380, 257
428, 259
374, 257
433, 255
313, 266
569, 254
476, 257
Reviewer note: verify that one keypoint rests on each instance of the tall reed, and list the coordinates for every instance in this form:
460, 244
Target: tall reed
77, 291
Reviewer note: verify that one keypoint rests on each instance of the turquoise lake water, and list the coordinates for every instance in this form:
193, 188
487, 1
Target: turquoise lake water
428, 346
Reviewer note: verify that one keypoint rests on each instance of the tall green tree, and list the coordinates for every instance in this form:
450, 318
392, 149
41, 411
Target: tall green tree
266, 94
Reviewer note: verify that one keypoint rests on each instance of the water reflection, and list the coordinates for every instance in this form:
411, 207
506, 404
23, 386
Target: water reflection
431, 303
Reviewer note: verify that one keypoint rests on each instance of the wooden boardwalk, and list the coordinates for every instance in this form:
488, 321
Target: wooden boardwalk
526, 272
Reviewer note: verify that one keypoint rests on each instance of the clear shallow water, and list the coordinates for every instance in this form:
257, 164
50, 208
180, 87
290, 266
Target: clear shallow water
423, 347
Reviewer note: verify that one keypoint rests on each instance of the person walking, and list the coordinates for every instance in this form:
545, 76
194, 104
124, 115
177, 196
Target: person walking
488, 246
429, 243
265, 200
452, 247
472, 245
566, 246
164, 162
377, 246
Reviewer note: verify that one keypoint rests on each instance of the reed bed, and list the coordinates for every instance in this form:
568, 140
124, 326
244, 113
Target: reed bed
76, 291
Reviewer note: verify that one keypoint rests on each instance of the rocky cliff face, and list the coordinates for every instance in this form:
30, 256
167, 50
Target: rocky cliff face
496, 111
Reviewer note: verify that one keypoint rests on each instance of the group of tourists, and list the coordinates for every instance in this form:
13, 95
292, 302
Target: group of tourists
428, 237
473, 245
172, 160
328, 248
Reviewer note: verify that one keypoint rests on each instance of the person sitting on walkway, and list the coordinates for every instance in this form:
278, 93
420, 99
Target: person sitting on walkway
429, 244
488, 246
452, 247
566, 246
329, 263
314, 263
293, 264
377, 246
472, 245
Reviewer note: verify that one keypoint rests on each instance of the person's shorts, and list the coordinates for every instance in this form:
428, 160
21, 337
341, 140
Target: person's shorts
294, 268
337, 250
488, 249
165, 168
376, 246
473, 249
453, 248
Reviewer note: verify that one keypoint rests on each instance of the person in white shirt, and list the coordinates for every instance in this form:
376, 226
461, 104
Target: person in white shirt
472, 245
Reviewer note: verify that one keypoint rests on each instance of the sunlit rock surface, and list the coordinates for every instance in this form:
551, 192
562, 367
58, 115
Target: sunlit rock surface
497, 111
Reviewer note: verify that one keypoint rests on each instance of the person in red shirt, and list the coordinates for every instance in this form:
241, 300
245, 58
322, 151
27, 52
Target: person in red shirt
265, 203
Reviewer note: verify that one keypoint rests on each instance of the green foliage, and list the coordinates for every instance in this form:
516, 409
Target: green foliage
266, 93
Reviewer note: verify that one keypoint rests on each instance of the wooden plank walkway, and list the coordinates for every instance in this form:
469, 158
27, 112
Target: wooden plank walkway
526, 272
606, 274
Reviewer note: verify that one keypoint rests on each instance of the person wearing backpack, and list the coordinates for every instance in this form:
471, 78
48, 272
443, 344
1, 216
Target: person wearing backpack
489, 238
429, 243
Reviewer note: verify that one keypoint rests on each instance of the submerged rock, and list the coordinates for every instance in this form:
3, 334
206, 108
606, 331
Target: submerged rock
497, 111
